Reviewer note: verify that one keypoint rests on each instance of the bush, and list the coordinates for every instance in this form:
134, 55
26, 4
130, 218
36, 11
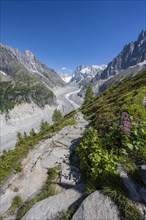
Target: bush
95, 161
57, 116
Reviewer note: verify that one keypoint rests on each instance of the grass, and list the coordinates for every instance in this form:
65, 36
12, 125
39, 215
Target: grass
66, 215
16, 203
11, 160
130, 211
49, 189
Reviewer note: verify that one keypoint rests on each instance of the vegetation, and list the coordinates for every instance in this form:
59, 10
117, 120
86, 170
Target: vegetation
56, 116
66, 215
89, 95
11, 160
48, 189
16, 203
117, 134
23, 90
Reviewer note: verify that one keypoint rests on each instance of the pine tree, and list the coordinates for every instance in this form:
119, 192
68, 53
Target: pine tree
89, 94
56, 115
19, 138
44, 125
32, 132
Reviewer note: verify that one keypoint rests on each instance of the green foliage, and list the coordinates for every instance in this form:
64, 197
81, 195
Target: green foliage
32, 133
95, 161
105, 116
48, 189
16, 203
18, 167
44, 125
89, 95
57, 116
19, 138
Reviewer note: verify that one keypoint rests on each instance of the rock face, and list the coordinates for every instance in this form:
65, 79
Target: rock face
129, 72
83, 74
97, 206
13, 59
130, 61
132, 54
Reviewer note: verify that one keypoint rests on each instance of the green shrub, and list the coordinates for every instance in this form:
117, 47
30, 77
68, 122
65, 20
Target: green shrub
95, 161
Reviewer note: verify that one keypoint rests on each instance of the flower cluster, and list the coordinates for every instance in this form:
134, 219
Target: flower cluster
125, 123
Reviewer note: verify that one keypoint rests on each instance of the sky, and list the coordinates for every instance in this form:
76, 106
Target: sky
65, 34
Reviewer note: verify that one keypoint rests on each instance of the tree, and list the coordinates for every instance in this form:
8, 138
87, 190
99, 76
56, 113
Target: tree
32, 132
44, 125
89, 94
56, 115
19, 138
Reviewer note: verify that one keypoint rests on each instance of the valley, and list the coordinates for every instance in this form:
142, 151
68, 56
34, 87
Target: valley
90, 161
26, 116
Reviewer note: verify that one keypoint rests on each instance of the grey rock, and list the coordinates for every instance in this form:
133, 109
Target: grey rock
131, 186
12, 61
129, 62
49, 208
132, 54
97, 206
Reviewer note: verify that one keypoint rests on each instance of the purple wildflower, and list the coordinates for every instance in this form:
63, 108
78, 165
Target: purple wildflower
126, 130
125, 113
126, 123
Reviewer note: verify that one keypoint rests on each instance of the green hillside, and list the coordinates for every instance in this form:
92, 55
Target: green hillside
116, 136
24, 88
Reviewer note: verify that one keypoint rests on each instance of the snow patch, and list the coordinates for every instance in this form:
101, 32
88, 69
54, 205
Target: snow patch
3, 73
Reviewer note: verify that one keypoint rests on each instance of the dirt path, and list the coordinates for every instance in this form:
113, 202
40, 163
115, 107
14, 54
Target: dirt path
45, 155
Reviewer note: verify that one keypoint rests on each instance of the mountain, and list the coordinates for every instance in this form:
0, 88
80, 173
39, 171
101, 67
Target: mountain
128, 73
129, 62
34, 65
23, 78
132, 54
83, 74
65, 74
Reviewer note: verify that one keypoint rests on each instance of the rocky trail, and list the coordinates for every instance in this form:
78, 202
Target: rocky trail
46, 154
70, 192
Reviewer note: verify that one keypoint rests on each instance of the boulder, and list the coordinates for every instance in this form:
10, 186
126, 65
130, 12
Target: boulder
97, 206
49, 208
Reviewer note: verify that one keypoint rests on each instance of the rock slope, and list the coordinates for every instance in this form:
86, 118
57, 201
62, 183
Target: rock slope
45, 155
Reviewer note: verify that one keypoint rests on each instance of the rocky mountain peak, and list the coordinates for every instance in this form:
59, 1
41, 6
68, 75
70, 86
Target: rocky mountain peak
28, 54
30, 62
142, 36
132, 54
84, 73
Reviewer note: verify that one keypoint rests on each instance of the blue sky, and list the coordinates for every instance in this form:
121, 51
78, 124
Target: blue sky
71, 33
